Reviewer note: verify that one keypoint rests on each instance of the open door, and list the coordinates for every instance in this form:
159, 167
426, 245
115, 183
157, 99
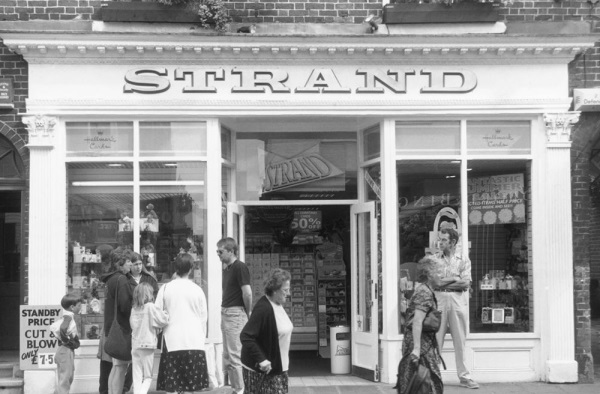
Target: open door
235, 226
365, 331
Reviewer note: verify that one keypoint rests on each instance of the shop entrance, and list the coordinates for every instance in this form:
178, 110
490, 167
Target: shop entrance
312, 242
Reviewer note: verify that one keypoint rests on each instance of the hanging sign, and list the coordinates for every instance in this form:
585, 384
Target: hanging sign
37, 343
498, 199
307, 221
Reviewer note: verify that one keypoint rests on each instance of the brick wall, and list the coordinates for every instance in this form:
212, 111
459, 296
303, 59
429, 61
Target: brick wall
583, 137
14, 67
301, 11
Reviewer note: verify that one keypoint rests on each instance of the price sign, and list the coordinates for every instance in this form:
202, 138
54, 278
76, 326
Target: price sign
46, 361
307, 221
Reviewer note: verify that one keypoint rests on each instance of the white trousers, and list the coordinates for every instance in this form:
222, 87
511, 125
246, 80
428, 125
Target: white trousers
455, 317
142, 364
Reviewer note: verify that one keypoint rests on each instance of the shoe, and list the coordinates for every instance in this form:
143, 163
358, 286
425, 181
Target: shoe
469, 383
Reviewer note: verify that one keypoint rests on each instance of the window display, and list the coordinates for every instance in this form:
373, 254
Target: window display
125, 203
498, 235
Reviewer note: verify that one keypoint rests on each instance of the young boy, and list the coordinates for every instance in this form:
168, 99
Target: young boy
65, 330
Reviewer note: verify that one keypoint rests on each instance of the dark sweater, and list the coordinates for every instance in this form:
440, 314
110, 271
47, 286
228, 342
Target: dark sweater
126, 285
260, 340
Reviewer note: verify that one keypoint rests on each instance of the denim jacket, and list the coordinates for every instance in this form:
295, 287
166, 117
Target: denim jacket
145, 323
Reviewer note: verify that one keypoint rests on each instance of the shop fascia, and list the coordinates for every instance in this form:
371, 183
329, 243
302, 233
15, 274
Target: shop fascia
154, 80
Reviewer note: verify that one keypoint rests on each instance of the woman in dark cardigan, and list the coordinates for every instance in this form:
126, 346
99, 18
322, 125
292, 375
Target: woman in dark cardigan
266, 339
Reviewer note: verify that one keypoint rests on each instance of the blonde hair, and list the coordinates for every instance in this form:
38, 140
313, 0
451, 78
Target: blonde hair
142, 294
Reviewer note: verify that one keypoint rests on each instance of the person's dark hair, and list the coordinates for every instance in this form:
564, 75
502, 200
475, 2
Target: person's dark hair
452, 233
228, 244
426, 269
183, 264
276, 280
69, 300
135, 257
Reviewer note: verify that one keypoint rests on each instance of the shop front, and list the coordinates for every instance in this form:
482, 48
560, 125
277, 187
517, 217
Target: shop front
337, 159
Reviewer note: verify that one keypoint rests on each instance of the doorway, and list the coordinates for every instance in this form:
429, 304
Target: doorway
312, 242
10, 268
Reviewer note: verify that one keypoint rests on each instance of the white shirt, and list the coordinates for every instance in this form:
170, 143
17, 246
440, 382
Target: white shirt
284, 330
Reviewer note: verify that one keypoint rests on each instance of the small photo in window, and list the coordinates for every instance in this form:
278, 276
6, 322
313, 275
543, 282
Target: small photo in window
497, 315
92, 331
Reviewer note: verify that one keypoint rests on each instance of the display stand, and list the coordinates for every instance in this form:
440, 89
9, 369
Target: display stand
298, 258
333, 293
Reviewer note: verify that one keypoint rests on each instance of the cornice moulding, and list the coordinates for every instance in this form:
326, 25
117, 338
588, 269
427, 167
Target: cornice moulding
117, 48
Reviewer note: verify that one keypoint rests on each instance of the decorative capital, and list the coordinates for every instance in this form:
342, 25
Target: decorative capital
558, 126
41, 130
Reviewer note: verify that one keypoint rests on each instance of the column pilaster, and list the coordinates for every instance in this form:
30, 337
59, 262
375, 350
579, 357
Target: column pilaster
561, 366
47, 212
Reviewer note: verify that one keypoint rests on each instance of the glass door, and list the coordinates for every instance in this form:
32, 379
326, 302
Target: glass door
365, 349
235, 226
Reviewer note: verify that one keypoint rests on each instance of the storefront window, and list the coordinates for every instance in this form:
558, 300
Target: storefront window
500, 240
498, 235
428, 198
499, 137
95, 231
296, 166
104, 220
172, 221
421, 138
372, 143
172, 138
100, 139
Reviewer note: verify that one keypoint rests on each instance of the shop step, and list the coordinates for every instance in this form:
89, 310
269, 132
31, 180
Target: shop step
6, 369
11, 385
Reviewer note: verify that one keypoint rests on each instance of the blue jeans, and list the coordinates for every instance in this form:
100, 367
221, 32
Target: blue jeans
233, 319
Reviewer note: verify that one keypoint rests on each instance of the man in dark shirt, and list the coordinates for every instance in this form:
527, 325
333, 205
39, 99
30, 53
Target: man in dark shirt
236, 307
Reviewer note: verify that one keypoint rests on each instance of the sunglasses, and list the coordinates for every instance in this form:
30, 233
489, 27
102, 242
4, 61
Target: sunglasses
219, 251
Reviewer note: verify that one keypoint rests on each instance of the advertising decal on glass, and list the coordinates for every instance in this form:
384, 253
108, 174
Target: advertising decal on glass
498, 199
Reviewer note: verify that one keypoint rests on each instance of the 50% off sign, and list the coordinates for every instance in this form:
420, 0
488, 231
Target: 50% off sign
307, 221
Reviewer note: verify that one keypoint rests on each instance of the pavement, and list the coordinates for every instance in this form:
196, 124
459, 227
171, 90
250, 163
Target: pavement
486, 388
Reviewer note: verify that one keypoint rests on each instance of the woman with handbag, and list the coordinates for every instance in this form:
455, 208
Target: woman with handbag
117, 310
419, 348
183, 365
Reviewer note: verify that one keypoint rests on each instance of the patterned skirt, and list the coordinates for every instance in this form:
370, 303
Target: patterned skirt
429, 358
182, 370
259, 383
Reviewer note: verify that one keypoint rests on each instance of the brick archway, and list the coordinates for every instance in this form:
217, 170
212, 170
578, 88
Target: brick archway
18, 142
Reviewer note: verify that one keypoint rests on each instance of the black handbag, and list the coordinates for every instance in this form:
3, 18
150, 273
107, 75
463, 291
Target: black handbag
433, 319
118, 341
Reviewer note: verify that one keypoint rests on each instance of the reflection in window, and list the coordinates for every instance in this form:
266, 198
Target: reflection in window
372, 143
172, 171
422, 138
172, 221
96, 238
296, 167
429, 197
172, 138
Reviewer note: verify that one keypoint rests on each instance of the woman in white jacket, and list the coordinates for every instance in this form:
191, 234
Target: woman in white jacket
182, 365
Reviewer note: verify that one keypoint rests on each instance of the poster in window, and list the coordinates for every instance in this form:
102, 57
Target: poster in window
106, 231
497, 199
